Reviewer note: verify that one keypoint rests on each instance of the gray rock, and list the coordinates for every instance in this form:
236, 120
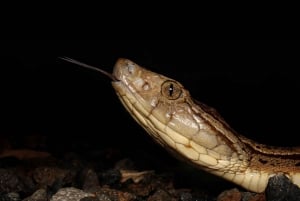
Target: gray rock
70, 194
39, 195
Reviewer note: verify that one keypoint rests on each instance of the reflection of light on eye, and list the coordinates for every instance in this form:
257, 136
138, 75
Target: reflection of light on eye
171, 90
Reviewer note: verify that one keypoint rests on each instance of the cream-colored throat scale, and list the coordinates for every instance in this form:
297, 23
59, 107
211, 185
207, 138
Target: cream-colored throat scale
196, 132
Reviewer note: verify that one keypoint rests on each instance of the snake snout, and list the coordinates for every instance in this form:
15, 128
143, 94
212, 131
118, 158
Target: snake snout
124, 69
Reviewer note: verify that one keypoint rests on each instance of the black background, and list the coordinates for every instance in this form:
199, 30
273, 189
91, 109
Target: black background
253, 84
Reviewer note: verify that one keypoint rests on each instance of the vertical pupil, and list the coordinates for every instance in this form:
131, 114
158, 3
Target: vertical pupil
171, 90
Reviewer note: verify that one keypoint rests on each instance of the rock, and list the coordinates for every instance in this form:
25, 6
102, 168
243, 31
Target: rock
160, 195
92, 199
185, 196
90, 179
248, 196
236, 195
10, 197
135, 176
108, 194
9, 181
280, 188
110, 177
230, 195
70, 194
47, 176
39, 195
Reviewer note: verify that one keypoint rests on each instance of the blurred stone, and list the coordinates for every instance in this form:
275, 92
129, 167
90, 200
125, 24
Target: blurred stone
70, 194
13, 196
230, 195
280, 188
249, 196
114, 195
39, 195
161, 195
150, 184
185, 196
9, 181
47, 176
90, 179
236, 195
135, 176
110, 177
92, 199
104, 197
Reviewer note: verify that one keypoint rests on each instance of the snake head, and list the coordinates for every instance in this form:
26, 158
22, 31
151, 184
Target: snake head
158, 103
142, 91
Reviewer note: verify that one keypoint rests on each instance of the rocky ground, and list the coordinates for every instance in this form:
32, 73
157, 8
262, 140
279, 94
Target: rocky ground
246, 81
103, 175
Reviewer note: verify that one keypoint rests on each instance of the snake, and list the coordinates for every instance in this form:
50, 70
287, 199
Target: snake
195, 132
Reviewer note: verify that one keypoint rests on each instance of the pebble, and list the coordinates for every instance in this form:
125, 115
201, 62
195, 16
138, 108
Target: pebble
39, 195
70, 194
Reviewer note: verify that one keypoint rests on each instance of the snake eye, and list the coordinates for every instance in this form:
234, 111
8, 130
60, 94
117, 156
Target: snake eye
171, 90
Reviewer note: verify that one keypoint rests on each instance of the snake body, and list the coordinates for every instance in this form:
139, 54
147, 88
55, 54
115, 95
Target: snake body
197, 133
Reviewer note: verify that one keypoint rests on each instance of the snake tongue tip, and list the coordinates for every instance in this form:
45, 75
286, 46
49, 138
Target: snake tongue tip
111, 76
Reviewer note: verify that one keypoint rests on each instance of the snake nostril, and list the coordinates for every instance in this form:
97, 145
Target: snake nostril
146, 86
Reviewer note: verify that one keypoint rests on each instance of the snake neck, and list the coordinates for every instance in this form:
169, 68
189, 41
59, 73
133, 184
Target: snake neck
258, 156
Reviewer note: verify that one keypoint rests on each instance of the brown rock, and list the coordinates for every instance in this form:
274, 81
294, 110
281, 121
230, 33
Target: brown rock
114, 195
230, 195
39, 195
9, 181
90, 179
47, 176
161, 195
